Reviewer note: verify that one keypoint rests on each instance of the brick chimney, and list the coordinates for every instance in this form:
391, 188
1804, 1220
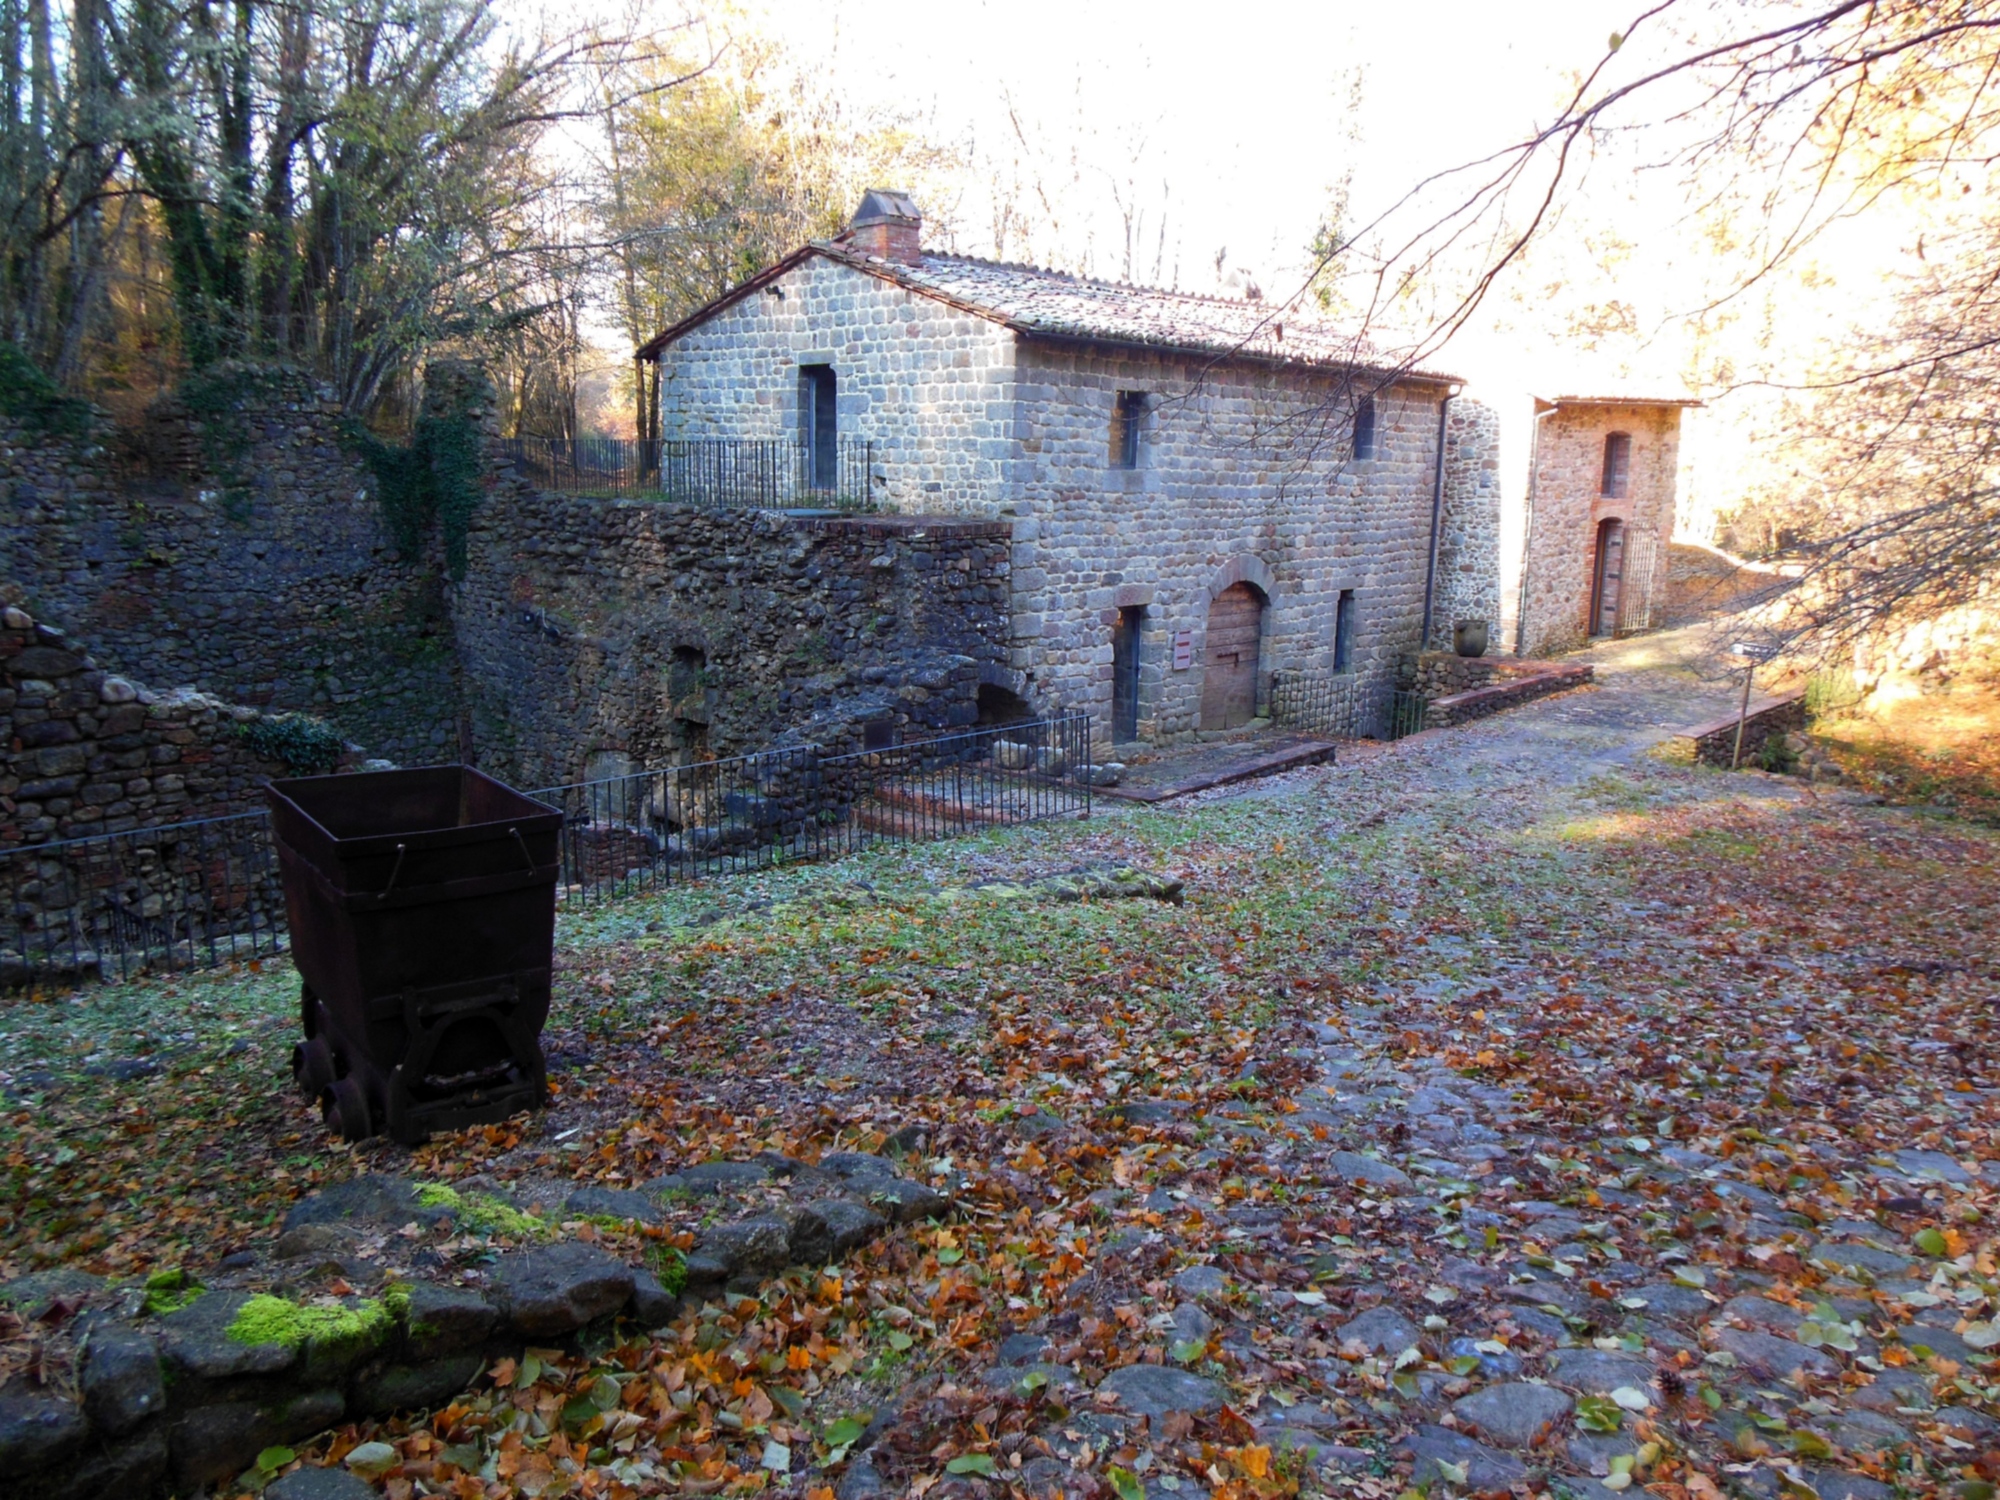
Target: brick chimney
888, 225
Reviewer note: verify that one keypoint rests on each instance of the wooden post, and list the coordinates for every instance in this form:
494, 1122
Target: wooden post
1742, 715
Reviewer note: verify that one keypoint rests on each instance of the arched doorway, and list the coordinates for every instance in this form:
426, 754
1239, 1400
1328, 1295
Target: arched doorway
1229, 666
1606, 578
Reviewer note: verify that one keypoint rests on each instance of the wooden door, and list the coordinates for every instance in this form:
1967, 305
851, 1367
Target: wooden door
1229, 667
1610, 573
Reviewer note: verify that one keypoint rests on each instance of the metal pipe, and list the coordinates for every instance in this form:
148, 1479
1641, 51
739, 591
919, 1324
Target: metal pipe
1437, 517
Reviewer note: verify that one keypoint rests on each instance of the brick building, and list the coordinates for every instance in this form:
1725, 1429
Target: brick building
1601, 490
1201, 491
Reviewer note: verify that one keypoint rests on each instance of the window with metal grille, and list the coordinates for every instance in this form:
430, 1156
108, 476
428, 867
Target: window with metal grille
1617, 466
1128, 416
1343, 631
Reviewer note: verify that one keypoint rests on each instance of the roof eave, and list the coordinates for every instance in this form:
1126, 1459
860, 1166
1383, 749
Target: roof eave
1550, 403
1234, 352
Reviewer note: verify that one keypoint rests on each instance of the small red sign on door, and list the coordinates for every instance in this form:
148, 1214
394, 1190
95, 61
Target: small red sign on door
1183, 650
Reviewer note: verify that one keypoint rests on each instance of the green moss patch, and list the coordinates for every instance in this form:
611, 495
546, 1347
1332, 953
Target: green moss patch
169, 1291
481, 1213
265, 1319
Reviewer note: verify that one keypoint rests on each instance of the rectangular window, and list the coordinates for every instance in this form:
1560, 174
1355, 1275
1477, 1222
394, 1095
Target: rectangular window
1617, 465
819, 425
1343, 632
1364, 427
1128, 417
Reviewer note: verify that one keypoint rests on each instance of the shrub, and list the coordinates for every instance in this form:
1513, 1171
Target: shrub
307, 746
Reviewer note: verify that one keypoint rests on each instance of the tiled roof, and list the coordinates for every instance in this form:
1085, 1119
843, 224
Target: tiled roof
1051, 304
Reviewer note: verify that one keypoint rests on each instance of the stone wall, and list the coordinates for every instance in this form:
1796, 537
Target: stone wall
1437, 674
1566, 507
1468, 566
1510, 685
248, 559
89, 753
1714, 743
599, 637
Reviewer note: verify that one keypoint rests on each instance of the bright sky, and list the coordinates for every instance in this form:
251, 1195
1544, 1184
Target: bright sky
1232, 123
1241, 110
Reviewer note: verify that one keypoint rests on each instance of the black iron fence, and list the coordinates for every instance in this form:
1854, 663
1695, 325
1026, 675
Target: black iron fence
186, 895
716, 473
693, 822
201, 894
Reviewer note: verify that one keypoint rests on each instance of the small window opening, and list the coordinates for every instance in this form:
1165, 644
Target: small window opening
878, 734
1128, 416
1617, 466
1343, 631
1364, 427
819, 425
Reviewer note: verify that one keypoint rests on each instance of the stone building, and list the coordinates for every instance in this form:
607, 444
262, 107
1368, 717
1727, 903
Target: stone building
1202, 492
1601, 476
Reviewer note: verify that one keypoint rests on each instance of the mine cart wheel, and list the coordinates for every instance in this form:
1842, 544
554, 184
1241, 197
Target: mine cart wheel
345, 1109
312, 1065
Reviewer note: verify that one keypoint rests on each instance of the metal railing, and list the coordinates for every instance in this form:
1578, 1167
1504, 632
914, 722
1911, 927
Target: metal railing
693, 822
202, 894
714, 473
1407, 713
181, 896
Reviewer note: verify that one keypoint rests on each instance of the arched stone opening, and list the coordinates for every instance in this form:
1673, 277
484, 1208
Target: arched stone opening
1234, 645
999, 705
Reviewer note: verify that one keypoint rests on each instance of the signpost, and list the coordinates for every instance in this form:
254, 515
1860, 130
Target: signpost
1754, 654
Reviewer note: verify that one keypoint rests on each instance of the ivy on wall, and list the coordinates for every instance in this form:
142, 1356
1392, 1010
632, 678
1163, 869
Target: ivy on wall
305, 745
433, 480
214, 399
31, 398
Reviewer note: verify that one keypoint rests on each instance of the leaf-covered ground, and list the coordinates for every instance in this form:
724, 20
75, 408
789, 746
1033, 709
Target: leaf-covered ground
1508, 1111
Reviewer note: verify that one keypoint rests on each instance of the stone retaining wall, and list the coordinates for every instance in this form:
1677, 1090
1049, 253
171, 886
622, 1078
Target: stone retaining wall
1513, 684
250, 562
604, 636
89, 753
178, 1386
1438, 674
1714, 742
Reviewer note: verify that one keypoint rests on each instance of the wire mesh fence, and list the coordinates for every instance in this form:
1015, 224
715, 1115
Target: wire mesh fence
202, 894
714, 473
183, 896
1335, 705
629, 833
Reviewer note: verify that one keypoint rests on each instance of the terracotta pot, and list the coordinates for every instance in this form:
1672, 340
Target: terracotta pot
1468, 637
